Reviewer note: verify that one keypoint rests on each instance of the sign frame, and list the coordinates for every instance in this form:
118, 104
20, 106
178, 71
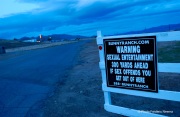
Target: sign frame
120, 41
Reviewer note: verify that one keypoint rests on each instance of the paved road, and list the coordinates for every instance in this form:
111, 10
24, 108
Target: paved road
30, 76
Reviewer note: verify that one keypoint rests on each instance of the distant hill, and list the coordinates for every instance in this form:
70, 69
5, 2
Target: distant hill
60, 37
2, 39
162, 28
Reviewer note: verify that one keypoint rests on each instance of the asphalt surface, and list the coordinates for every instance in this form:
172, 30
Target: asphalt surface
29, 77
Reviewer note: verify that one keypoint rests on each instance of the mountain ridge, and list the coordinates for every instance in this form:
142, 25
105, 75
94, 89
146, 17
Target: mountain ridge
161, 28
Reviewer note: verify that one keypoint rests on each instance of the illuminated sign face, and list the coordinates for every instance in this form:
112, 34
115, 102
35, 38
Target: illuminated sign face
131, 63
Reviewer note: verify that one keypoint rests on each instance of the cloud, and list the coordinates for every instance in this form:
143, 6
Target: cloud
85, 17
11, 7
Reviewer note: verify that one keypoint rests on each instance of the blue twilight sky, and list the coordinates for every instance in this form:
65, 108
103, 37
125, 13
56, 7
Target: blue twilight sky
83, 17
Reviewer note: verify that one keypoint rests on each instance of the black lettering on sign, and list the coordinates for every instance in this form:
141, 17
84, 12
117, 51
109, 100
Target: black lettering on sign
131, 63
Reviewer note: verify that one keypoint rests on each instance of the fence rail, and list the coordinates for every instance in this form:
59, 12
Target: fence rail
162, 67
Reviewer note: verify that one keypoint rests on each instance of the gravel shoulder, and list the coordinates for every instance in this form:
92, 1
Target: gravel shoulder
79, 93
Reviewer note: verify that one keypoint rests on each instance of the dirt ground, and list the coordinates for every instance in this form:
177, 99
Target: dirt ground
79, 93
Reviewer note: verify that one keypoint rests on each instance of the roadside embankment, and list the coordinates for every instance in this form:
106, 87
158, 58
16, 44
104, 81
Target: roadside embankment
44, 45
80, 93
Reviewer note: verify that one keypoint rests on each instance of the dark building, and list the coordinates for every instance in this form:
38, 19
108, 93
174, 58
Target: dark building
2, 50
